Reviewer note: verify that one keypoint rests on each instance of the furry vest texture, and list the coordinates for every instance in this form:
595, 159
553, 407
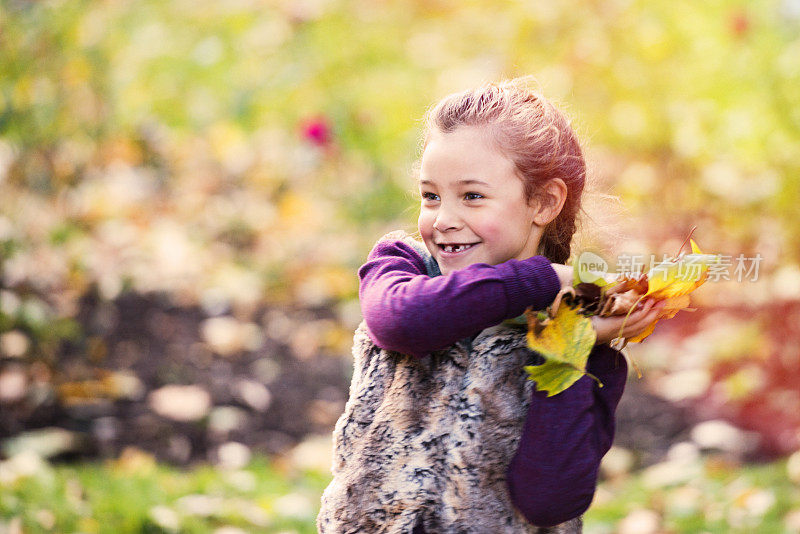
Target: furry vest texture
427, 441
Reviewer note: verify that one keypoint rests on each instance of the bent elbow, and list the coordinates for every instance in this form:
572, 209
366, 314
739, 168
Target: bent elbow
544, 515
550, 508
390, 333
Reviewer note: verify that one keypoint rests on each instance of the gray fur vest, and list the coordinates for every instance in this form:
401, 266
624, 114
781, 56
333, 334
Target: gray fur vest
428, 440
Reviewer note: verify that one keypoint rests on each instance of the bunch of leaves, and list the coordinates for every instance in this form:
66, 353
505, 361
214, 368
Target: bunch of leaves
564, 335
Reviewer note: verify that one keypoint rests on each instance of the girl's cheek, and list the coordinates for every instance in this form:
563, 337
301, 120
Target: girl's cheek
425, 223
493, 227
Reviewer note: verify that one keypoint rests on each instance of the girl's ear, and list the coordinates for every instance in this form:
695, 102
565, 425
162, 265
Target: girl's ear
549, 200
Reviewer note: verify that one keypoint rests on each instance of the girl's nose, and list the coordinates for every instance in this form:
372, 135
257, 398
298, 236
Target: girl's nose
446, 220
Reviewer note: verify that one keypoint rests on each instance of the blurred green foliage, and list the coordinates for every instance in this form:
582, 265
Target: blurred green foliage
247, 151
163, 112
232, 154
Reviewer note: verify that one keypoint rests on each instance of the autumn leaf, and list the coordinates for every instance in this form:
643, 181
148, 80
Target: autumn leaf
679, 277
671, 307
672, 281
564, 342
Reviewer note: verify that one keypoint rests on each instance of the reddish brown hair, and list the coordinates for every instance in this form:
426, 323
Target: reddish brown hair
535, 135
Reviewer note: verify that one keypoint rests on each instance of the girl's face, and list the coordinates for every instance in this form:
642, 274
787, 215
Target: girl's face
473, 203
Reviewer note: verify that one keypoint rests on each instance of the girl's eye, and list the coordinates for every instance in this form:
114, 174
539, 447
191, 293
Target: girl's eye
473, 196
430, 196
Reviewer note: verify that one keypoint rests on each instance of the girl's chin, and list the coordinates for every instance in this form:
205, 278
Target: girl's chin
450, 264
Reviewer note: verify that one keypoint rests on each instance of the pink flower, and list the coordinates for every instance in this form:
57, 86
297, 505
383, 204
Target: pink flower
317, 130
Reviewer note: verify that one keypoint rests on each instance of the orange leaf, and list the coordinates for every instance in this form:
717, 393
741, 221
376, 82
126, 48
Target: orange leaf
671, 307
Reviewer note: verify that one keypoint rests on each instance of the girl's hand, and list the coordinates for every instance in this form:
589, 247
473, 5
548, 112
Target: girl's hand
607, 328
565, 274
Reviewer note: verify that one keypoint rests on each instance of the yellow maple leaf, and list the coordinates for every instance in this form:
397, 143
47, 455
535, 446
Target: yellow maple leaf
564, 343
679, 277
672, 281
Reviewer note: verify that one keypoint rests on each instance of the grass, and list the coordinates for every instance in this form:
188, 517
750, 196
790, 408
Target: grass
134, 494
137, 495
713, 496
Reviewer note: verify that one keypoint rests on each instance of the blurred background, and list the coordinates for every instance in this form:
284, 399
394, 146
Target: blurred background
188, 188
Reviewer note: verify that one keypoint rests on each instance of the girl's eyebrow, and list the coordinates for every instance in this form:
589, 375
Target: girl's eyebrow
472, 181
466, 181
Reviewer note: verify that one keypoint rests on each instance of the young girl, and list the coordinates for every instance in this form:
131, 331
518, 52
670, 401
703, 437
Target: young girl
443, 432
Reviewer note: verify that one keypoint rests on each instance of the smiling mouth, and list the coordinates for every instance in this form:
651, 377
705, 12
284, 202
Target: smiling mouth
456, 248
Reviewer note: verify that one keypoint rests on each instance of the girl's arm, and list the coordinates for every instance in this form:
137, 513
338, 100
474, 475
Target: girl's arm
410, 312
553, 475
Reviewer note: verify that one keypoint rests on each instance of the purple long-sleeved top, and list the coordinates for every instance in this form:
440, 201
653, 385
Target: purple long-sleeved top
553, 474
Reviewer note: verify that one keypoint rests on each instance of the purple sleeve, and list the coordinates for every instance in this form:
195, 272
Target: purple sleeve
410, 312
553, 475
